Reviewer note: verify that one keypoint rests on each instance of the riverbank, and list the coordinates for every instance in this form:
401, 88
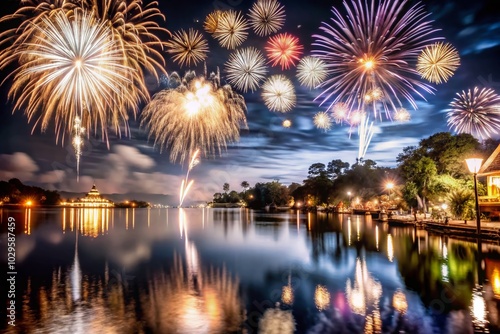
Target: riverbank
457, 228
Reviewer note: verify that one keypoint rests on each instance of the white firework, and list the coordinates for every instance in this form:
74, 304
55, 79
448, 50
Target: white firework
311, 71
278, 93
246, 69
323, 121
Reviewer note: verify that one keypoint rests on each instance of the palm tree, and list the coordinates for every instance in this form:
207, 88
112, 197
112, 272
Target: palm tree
461, 203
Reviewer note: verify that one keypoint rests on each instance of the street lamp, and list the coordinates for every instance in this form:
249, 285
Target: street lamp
349, 194
389, 187
474, 164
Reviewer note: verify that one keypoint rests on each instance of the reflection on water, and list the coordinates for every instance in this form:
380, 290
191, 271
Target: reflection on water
191, 299
101, 270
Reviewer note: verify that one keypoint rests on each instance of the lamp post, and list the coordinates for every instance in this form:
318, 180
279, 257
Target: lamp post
474, 164
389, 187
349, 194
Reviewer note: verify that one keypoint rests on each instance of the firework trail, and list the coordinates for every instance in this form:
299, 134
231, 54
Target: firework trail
186, 184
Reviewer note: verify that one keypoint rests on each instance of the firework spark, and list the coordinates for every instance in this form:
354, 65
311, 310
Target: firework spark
188, 47
186, 184
322, 121
278, 93
231, 29
311, 71
198, 113
72, 63
283, 49
373, 48
287, 123
138, 33
402, 115
438, 62
340, 112
246, 69
476, 112
365, 132
212, 21
267, 17
30, 13
79, 131
356, 117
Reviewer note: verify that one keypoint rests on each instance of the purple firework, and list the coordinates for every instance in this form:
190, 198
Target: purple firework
375, 48
476, 112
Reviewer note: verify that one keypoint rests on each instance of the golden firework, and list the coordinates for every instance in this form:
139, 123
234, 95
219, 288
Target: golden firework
212, 21
322, 121
68, 64
198, 113
402, 115
267, 17
231, 29
287, 123
438, 62
311, 71
187, 47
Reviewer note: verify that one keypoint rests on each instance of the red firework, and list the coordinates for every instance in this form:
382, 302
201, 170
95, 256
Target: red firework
284, 49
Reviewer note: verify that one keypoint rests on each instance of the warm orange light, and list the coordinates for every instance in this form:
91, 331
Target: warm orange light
29, 203
389, 185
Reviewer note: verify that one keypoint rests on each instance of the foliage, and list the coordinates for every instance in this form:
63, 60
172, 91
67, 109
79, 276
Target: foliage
15, 192
462, 203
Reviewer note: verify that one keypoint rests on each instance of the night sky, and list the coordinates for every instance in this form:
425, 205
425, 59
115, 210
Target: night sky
266, 151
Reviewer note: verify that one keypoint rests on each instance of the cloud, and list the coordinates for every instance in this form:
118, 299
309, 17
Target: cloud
17, 165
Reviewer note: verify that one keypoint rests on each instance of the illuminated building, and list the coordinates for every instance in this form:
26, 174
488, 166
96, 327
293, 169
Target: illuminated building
93, 199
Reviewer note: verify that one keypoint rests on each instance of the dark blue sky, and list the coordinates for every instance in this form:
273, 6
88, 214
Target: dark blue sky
266, 151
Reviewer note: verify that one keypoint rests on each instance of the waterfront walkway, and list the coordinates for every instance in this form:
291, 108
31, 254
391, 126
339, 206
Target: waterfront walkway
489, 230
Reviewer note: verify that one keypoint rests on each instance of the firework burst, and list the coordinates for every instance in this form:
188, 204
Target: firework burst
246, 69
198, 113
311, 71
283, 49
322, 121
70, 67
402, 115
476, 112
278, 93
266, 17
231, 29
438, 62
287, 123
373, 48
138, 33
187, 47
212, 21
340, 112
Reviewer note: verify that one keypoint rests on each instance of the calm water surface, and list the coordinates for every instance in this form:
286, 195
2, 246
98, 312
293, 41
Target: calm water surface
240, 271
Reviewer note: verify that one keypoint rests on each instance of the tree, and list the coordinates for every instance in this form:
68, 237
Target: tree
245, 185
336, 167
225, 187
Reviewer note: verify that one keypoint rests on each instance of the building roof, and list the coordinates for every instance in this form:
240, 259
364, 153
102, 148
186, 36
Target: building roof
492, 164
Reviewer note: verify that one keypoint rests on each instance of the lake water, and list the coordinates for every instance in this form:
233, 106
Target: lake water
242, 271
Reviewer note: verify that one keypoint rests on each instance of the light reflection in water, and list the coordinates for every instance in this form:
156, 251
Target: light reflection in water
478, 310
27, 221
390, 248
399, 302
287, 292
191, 299
364, 292
321, 297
